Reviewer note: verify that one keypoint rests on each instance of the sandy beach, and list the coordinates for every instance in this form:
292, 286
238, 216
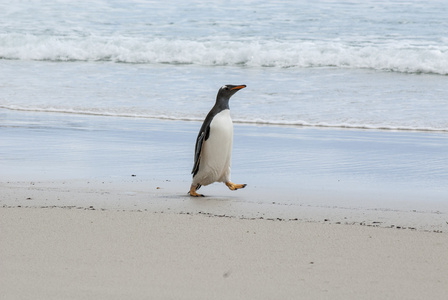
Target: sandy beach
133, 240
70, 253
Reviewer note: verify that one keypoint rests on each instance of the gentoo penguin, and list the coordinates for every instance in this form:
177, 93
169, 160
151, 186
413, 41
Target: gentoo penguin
213, 152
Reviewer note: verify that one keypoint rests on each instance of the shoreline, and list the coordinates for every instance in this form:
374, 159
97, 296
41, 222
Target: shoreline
387, 179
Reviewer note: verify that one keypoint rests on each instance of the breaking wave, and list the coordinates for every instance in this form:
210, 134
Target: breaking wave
401, 56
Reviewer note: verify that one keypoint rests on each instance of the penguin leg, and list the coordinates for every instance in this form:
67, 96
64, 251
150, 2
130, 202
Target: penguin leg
234, 186
193, 189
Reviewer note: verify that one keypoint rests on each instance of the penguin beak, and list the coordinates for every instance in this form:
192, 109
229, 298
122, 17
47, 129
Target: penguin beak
239, 87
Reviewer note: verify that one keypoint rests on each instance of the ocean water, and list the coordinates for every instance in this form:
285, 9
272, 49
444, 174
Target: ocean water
341, 95
340, 64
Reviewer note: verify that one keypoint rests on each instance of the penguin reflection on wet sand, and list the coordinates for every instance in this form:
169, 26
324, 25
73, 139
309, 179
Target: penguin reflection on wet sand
213, 152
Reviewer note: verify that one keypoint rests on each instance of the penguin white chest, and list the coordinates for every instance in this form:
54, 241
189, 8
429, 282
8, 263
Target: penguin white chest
217, 152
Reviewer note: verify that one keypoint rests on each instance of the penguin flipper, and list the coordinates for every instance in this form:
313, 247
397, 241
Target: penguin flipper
197, 153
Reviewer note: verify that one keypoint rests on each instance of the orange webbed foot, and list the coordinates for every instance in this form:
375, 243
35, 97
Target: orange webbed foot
235, 186
193, 192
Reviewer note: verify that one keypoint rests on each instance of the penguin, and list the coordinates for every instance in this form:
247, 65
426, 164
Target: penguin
213, 150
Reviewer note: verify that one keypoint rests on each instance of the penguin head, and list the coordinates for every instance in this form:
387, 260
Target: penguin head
227, 91
224, 94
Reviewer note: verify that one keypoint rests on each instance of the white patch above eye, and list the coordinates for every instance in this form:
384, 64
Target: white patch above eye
223, 87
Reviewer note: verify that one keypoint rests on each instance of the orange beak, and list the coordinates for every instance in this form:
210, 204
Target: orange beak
238, 87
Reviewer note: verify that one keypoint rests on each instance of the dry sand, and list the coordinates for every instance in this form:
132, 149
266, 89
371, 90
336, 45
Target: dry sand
79, 252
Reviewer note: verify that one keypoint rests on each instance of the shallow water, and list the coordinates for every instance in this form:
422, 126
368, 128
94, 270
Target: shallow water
302, 163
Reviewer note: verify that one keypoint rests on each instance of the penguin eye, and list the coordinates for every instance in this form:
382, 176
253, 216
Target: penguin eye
224, 87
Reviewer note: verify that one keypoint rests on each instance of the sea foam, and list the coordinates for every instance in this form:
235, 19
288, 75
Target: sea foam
244, 120
402, 56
